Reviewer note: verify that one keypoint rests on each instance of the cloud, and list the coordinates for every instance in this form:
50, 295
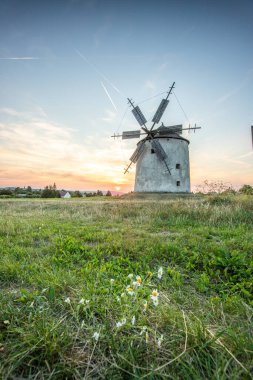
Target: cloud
238, 162
37, 112
110, 116
20, 58
248, 154
163, 66
39, 151
11, 112
248, 78
150, 85
228, 95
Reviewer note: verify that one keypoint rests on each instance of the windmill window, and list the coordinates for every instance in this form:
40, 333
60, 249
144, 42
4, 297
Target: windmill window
178, 183
178, 166
152, 151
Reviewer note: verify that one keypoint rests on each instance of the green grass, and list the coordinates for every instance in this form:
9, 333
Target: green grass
53, 251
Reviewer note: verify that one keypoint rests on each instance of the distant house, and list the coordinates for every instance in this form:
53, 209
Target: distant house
65, 194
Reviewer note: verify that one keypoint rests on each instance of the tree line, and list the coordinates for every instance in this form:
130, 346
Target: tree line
49, 191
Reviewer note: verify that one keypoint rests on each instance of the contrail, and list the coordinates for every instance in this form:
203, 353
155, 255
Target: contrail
19, 58
98, 72
107, 93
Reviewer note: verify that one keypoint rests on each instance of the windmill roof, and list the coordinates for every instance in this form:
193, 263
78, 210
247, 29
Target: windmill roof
168, 133
174, 136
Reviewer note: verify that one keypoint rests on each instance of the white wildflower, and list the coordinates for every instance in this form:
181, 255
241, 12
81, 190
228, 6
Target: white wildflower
67, 300
155, 302
121, 323
138, 281
81, 301
154, 296
130, 275
160, 273
143, 330
112, 281
96, 336
130, 290
159, 342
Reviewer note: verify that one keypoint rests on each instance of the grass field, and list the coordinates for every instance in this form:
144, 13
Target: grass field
70, 310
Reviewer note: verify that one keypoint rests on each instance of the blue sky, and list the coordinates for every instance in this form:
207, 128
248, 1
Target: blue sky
59, 60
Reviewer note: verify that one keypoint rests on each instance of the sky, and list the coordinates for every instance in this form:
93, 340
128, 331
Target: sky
67, 68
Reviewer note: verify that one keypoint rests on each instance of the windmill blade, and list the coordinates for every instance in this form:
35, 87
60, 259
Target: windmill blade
161, 108
160, 111
138, 152
161, 154
131, 135
139, 116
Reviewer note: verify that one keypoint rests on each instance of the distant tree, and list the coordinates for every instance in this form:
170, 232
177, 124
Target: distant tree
108, 194
246, 189
76, 194
29, 189
20, 190
100, 193
91, 194
6, 192
50, 192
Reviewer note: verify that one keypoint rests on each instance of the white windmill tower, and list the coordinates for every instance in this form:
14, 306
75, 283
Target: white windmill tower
162, 156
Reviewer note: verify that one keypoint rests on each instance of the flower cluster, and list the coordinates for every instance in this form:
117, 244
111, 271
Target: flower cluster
136, 282
83, 301
121, 323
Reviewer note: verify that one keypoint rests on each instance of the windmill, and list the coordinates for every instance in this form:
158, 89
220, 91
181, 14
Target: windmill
162, 155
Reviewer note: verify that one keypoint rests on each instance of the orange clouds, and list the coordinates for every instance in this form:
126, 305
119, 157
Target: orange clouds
38, 152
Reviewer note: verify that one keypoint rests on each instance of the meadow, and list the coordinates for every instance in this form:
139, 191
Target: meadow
127, 288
